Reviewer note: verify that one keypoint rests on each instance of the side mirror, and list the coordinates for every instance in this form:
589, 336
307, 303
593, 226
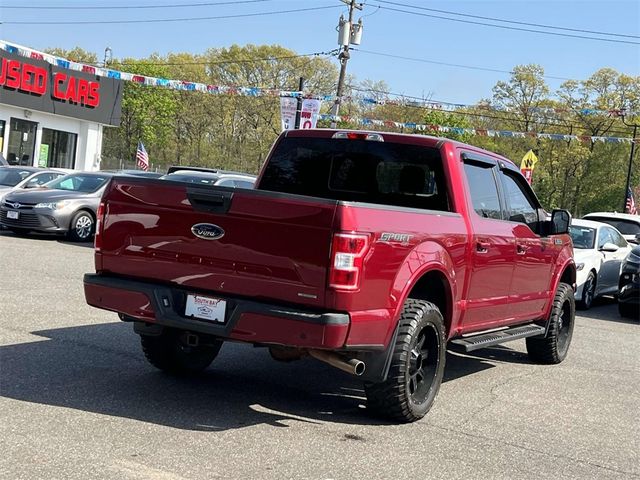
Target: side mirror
609, 247
560, 221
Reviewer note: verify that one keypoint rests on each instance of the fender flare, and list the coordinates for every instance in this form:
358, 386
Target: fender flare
426, 257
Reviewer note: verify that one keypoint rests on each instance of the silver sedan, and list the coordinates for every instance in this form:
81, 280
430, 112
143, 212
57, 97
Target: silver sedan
67, 205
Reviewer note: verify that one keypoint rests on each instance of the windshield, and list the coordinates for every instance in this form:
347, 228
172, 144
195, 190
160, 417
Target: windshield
79, 183
625, 227
583, 237
10, 177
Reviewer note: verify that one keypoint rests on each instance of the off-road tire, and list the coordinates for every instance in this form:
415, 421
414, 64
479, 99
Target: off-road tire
588, 292
82, 227
553, 348
170, 353
417, 365
629, 310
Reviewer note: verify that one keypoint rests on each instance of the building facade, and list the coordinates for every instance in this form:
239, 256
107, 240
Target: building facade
51, 116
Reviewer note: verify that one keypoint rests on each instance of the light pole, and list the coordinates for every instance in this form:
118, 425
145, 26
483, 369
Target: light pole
633, 145
348, 34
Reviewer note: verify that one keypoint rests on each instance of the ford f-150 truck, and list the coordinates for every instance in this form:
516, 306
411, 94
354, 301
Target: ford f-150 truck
372, 252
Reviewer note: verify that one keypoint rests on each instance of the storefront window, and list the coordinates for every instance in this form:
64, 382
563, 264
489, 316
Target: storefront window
22, 142
57, 149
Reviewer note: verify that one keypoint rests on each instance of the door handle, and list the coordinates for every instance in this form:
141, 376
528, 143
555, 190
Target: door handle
482, 246
521, 249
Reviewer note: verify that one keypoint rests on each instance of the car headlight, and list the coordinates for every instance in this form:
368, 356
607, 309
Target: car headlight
53, 205
579, 266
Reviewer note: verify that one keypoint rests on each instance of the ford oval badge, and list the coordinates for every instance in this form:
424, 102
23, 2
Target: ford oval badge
207, 231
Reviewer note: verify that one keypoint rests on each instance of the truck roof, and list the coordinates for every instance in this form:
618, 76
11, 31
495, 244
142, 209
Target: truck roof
416, 139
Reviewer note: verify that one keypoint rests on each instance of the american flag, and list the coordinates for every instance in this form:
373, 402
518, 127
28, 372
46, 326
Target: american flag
142, 157
630, 206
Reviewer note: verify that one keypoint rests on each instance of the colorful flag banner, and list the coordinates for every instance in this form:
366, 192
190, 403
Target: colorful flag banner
528, 164
471, 131
261, 92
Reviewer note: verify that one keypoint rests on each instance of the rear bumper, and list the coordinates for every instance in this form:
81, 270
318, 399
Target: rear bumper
245, 320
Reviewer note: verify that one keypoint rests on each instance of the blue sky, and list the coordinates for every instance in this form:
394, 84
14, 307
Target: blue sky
385, 31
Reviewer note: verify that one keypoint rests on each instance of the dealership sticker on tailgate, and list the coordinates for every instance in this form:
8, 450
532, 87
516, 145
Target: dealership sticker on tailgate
205, 308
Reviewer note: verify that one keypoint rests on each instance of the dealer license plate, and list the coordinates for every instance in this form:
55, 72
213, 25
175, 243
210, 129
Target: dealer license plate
13, 214
205, 308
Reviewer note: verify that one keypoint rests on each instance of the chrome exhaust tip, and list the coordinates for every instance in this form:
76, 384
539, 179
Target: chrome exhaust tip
350, 365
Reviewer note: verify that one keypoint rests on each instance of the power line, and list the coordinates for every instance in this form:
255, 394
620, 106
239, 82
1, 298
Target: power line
515, 22
505, 27
222, 62
167, 20
472, 114
127, 7
458, 65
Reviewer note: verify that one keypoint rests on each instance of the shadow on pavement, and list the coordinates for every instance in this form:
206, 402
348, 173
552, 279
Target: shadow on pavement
47, 237
101, 369
606, 309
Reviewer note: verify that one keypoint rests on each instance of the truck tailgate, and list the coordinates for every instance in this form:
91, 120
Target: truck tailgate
273, 245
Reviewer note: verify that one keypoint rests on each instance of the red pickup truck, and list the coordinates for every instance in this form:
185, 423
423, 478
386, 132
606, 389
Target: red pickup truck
370, 251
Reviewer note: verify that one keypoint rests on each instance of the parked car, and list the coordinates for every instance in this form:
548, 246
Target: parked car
629, 287
372, 252
15, 177
206, 176
137, 173
628, 225
66, 205
599, 250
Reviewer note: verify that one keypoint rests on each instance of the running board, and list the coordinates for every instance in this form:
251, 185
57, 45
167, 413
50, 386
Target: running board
476, 342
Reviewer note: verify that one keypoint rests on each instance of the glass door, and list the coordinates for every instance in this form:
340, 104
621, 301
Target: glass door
22, 142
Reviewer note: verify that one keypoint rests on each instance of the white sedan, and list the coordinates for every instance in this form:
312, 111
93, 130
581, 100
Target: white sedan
598, 250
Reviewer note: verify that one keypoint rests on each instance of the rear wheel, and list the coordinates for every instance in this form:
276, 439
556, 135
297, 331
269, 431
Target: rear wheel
171, 352
81, 227
554, 347
417, 365
588, 292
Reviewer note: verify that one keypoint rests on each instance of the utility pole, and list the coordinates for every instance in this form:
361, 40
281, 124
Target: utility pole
633, 145
348, 33
299, 104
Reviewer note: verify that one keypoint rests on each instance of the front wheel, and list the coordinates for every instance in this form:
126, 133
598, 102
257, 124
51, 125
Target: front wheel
588, 292
171, 353
553, 348
417, 365
81, 227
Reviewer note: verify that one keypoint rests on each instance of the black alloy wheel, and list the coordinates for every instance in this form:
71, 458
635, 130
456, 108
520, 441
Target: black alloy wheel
588, 292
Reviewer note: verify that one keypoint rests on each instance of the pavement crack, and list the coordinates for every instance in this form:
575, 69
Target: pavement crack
536, 451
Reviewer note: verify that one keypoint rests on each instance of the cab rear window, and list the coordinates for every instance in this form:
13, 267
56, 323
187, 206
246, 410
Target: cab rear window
358, 171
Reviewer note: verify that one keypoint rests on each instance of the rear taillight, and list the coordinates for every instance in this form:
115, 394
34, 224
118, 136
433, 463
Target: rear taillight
347, 259
97, 239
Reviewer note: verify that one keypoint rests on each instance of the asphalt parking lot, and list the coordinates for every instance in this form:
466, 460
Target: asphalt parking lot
78, 401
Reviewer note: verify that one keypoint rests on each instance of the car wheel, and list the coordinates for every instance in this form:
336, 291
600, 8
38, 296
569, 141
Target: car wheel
417, 365
170, 352
629, 310
81, 227
553, 348
588, 292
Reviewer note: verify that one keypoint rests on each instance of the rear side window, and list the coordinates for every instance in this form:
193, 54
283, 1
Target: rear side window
359, 171
484, 190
